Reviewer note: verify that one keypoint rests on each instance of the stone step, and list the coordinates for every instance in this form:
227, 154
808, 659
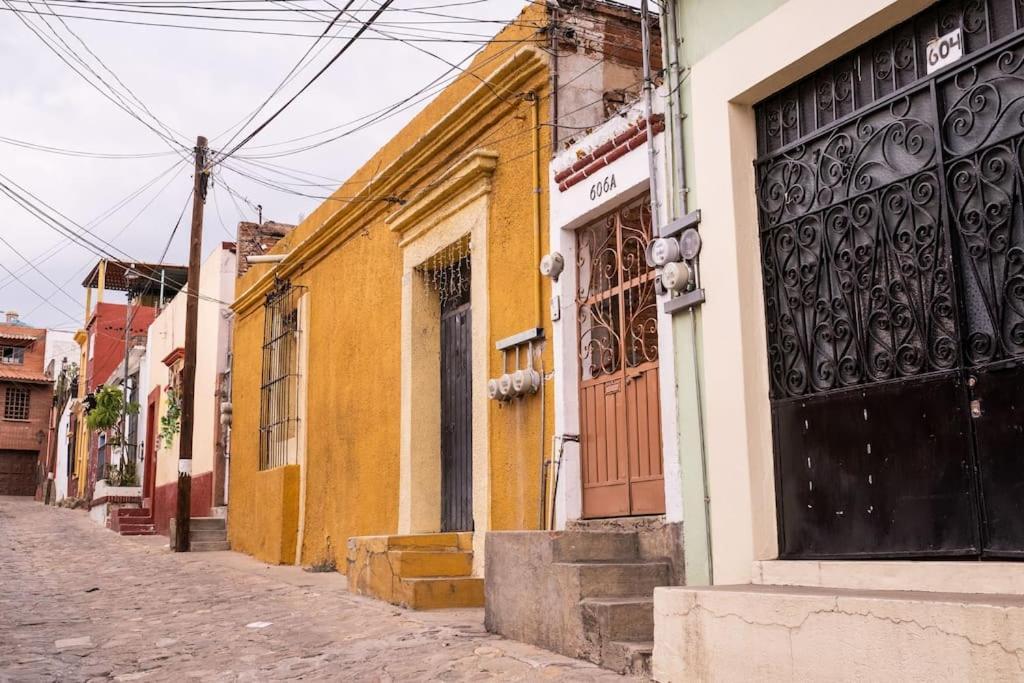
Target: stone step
442, 541
632, 658
136, 529
774, 633
430, 563
207, 546
206, 523
441, 592
133, 512
617, 579
578, 546
614, 619
204, 535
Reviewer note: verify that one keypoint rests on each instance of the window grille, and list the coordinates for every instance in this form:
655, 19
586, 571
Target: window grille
16, 403
12, 355
279, 389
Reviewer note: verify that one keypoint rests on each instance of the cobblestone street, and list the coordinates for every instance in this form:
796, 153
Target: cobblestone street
80, 603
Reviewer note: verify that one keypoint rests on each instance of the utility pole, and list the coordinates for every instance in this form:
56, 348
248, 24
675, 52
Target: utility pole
188, 380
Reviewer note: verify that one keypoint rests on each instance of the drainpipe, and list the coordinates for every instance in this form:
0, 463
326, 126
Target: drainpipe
676, 209
538, 285
652, 167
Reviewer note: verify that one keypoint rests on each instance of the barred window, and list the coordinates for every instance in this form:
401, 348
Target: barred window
279, 388
16, 403
12, 355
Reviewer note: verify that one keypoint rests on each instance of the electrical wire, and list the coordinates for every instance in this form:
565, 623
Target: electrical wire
344, 48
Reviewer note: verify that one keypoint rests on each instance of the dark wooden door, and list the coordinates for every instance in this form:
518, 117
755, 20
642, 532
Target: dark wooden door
17, 473
620, 415
456, 415
150, 449
892, 240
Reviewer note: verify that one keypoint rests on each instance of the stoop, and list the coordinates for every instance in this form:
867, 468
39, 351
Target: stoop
417, 571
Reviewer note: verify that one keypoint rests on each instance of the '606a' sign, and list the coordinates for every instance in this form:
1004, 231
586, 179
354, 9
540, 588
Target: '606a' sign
602, 186
945, 50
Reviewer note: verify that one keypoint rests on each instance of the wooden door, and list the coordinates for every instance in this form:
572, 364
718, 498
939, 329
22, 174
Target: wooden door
17, 473
150, 450
620, 412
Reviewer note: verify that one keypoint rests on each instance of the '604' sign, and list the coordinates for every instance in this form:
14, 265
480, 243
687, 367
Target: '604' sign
945, 50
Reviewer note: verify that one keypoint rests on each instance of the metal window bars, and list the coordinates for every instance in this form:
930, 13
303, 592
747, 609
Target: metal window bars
16, 403
279, 389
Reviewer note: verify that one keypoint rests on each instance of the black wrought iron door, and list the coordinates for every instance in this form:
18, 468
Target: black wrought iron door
456, 416
892, 236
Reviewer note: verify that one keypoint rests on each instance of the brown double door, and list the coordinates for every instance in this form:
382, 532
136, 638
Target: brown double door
620, 413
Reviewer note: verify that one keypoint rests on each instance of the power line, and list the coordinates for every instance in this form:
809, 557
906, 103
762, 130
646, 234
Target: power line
79, 153
344, 48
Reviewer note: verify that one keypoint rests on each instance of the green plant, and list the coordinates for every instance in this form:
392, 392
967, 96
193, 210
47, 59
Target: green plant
106, 414
170, 422
122, 474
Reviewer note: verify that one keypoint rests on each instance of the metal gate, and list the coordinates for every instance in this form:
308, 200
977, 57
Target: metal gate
620, 415
892, 239
18, 473
457, 405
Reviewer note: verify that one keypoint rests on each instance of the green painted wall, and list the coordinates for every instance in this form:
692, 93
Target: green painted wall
701, 26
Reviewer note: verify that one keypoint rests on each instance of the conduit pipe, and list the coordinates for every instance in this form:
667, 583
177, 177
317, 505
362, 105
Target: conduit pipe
266, 258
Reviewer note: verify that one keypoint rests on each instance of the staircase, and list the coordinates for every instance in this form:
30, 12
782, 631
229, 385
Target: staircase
207, 534
591, 592
616, 596
417, 571
132, 521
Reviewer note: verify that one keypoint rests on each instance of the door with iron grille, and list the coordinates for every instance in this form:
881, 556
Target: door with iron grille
892, 241
620, 412
457, 404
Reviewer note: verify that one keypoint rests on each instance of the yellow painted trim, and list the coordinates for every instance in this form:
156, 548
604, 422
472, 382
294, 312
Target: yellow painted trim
517, 71
458, 187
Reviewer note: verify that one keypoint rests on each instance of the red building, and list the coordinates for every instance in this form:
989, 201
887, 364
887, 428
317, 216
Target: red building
25, 397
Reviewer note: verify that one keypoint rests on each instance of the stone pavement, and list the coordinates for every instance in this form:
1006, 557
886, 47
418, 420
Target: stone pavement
80, 603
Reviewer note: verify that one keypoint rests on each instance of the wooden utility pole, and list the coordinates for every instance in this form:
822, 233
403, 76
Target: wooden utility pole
188, 380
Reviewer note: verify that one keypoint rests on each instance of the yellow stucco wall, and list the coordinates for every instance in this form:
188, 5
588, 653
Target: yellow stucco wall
353, 284
269, 537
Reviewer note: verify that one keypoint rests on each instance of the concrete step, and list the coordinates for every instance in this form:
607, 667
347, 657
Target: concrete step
579, 546
207, 546
426, 563
205, 535
773, 633
441, 592
631, 658
206, 523
613, 619
617, 579
443, 541
136, 529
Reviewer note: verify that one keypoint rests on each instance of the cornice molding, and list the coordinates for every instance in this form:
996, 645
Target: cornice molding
464, 182
513, 75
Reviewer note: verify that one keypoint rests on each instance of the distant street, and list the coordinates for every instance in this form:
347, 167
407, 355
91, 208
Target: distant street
80, 603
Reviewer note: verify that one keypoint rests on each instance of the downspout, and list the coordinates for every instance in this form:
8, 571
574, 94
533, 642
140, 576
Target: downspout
538, 288
676, 209
652, 168
554, 79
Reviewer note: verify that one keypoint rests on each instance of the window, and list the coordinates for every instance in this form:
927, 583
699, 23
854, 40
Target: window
12, 355
16, 403
279, 388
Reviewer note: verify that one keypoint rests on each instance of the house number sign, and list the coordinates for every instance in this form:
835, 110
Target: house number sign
945, 50
602, 186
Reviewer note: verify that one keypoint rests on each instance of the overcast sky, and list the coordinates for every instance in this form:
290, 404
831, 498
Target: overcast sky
195, 82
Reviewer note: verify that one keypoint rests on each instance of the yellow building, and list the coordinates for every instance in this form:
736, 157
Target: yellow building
363, 359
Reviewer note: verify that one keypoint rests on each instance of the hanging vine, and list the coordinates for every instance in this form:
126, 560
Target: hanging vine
170, 421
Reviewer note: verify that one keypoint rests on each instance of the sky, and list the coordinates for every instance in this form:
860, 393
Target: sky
194, 82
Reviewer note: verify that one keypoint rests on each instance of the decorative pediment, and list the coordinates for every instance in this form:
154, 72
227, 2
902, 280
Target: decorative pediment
464, 182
